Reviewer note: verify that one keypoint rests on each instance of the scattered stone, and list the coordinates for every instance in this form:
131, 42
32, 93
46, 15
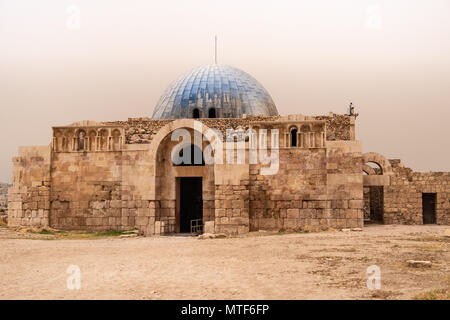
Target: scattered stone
212, 236
419, 264
357, 229
206, 236
220, 235
209, 226
447, 233
36, 230
131, 232
130, 235
346, 230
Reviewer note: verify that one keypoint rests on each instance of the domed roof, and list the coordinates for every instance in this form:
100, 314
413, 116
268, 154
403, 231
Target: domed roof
218, 91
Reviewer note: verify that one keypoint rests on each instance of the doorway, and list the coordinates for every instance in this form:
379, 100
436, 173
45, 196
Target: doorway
373, 204
429, 208
189, 202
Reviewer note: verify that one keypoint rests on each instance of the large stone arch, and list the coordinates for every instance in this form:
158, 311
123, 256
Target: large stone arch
379, 160
374, 183
166, 175
169, 128
156, 142
369, 170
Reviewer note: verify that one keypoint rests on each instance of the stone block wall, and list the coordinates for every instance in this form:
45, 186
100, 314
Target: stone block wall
28, 198
403, 197
284, 200
345, 183
142, 130
89, 180
313, 187
232, 208
86, 190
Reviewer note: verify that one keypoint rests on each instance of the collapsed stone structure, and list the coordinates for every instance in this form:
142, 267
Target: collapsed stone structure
121, 175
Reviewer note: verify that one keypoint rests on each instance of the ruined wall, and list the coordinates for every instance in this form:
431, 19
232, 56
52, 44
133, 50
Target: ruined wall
293, 196
313, 187
139, 207
86, 190
103, 176
28, 198
4, 195
345, 183
403, 197
142, 130
232, 206
102, 191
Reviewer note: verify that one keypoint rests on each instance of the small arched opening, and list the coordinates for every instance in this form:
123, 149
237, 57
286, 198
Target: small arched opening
81, 140
212, 113
196, 113
294, 137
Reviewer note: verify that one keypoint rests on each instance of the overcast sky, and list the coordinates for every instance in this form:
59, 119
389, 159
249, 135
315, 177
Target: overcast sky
390, 58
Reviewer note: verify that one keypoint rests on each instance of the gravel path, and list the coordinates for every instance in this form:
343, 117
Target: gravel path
328, 265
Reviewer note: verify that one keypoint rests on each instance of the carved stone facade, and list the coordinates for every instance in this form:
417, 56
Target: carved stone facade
119, 176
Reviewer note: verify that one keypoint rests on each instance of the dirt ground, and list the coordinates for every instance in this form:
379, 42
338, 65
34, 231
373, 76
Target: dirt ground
326, 265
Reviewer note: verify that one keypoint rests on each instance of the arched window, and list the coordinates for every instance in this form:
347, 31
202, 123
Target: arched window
81, 140
196, 113
293, 137
116, 139
190, 155
103, 139
212, 113
92, 140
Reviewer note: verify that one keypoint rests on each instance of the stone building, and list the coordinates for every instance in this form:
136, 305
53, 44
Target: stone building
200, 164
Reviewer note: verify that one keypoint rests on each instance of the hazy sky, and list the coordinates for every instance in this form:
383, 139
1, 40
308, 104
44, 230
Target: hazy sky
391, 58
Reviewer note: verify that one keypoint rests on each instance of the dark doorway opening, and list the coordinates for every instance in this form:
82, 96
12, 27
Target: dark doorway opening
373, 204
429, 208
293, 137
212, 113
190, 202
195, 113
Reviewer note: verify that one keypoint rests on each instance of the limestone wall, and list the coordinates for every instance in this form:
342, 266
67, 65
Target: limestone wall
86, 190
119, 175
232, 205
142, 130
403, 197
166, 184
313, 187
29, 197
4, 196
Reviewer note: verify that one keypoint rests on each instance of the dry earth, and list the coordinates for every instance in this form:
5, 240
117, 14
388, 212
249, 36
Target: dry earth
328, 265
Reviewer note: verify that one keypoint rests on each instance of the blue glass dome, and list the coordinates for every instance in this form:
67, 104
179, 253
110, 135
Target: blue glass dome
214, 91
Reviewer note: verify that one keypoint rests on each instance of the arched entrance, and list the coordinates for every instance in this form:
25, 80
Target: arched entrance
376, 170
184, 187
